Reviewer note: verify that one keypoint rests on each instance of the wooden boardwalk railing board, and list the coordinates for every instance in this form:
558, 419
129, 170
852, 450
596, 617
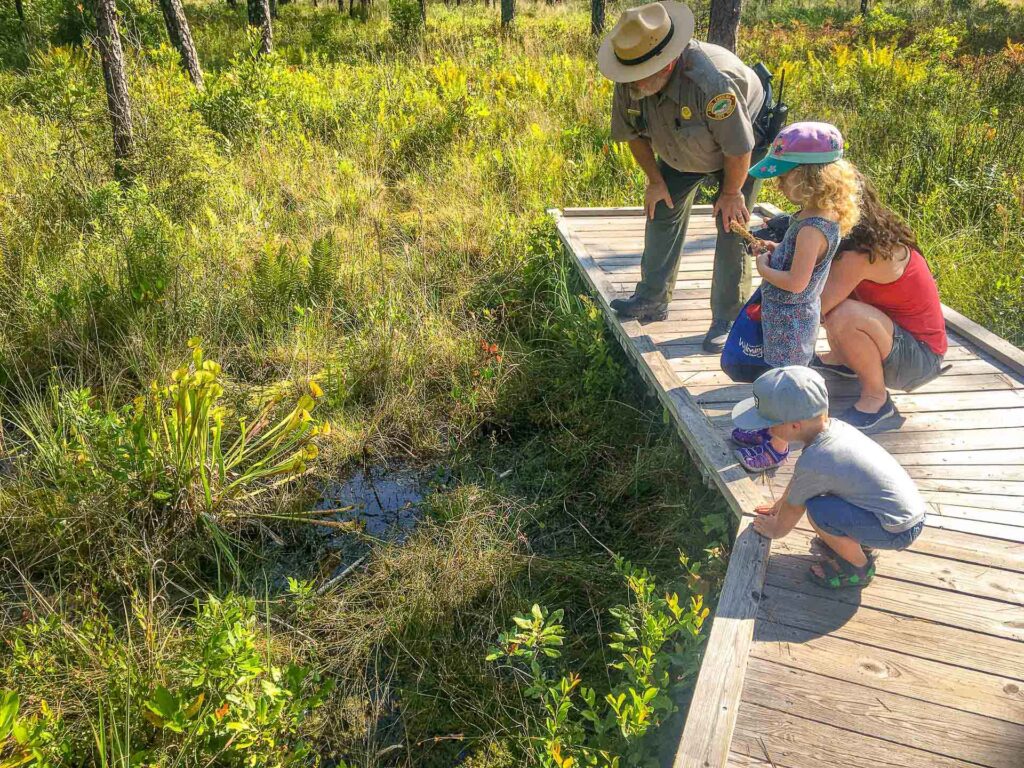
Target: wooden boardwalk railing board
924, 667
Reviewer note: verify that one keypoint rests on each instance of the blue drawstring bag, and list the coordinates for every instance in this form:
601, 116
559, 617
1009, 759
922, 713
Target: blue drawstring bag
743, 354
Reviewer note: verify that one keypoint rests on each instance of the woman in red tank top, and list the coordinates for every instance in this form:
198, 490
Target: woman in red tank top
881, 311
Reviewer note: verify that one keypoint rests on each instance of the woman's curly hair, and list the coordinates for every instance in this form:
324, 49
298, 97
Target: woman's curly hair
879, 230
832, 187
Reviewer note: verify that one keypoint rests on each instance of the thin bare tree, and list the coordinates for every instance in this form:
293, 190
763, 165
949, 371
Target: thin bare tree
724, 23
508, 12
119, 106
597, 17
181, 38
259, 17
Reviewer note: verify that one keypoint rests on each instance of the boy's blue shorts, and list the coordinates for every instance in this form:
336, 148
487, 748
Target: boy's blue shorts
839, 517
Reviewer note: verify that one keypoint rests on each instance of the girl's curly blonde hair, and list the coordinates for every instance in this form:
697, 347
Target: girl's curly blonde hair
832, 187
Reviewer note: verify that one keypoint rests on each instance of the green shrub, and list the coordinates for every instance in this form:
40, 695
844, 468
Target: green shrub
406, 21
573, 725
157, 689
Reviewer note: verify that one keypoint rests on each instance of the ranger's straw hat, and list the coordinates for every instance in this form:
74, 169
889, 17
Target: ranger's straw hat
645, 40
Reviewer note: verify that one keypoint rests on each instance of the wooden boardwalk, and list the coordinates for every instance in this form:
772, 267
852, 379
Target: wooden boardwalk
925, 667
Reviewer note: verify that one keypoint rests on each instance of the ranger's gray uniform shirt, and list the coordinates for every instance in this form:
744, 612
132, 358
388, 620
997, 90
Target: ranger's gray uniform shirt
704, 112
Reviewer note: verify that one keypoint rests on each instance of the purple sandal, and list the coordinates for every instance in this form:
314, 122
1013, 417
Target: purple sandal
761, 458
750, 437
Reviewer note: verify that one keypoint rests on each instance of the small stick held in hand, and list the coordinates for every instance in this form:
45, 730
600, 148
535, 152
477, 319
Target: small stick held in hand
743, 232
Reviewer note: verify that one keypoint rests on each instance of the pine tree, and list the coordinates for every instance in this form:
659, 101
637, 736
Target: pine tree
597, 17
724, 24
181, 38
116, 81
259, 17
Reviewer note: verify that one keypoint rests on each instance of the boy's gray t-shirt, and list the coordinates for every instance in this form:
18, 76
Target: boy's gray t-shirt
844, 462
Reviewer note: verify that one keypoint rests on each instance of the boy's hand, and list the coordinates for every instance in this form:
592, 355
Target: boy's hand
765, 509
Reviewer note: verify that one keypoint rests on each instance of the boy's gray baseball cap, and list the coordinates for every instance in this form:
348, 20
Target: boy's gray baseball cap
781, 396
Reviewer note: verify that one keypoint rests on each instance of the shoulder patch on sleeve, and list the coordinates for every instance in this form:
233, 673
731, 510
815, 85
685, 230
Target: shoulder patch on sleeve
721, 106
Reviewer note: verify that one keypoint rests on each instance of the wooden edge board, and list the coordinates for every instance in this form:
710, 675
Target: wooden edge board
1002, 350
708, 731
624, 210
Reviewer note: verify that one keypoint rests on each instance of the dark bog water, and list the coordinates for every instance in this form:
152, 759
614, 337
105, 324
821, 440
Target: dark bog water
385, 503
378, 504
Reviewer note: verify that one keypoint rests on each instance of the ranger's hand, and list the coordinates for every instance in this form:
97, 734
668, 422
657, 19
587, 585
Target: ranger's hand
657, 192
731, 206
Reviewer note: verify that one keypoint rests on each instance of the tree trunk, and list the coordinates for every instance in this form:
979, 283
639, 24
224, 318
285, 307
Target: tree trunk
259, 16
863, 7
596, 17
116, 82
508, 12
20, 8
181, 38
233, 3
724, 24
423, 11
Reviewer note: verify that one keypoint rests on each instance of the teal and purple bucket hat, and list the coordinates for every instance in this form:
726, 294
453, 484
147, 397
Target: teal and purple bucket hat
800, 144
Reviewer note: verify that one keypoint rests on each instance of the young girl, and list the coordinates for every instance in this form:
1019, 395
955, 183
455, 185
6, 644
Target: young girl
807, 158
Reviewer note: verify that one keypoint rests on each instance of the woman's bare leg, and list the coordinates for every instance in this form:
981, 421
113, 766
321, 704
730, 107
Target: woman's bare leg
860, 337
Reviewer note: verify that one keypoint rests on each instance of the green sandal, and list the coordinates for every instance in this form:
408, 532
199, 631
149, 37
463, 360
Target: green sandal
819, 547
840, 574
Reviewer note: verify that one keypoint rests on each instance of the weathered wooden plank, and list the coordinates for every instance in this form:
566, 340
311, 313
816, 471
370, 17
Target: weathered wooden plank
1010, 418
992, 617
1000, 349
904, 635
708, 729
1001, 480
935, 572
883, 715
950, 440
979, 528
1006, 480
959, 369
591, 213
794, 742
731, 392
970, 548
1013, 457
736, 760
992, 508
965, 689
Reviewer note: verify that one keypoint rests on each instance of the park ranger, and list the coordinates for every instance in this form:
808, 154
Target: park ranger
695, 105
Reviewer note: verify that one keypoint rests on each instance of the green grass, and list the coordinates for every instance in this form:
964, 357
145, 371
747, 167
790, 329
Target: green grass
365, 210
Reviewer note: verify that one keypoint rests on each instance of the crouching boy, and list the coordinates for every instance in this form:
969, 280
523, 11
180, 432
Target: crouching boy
857, 497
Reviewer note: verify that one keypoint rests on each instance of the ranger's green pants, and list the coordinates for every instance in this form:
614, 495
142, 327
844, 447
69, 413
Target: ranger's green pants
663, 245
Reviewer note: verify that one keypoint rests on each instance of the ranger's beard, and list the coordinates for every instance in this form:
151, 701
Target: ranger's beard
638, 91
